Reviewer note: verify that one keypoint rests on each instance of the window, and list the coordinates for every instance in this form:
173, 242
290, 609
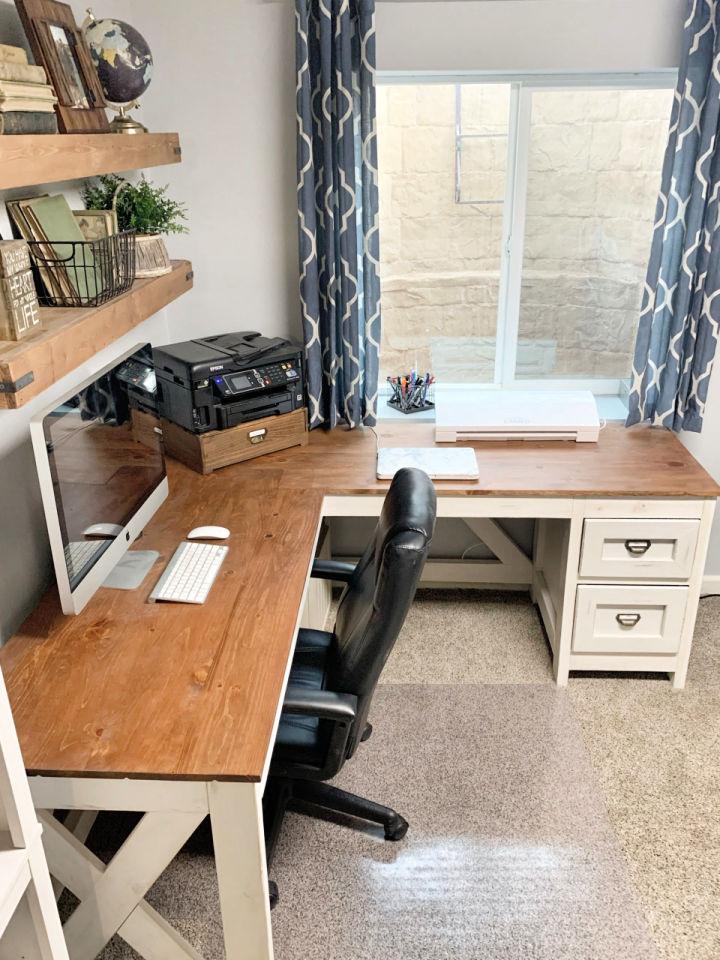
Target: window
516, 221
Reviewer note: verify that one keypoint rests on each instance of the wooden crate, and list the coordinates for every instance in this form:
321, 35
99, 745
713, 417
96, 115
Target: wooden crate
209, 451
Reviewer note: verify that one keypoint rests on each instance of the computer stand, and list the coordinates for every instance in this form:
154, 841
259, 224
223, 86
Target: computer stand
131, 570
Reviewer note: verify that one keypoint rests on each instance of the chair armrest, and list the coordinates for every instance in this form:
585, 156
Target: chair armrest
324, 704
339, 710
332, 570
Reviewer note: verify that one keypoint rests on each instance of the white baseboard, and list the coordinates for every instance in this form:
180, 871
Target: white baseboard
710, 584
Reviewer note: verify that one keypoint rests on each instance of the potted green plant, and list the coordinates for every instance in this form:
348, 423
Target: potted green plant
141, 207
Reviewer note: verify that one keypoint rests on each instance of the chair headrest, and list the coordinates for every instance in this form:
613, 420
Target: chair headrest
410, 506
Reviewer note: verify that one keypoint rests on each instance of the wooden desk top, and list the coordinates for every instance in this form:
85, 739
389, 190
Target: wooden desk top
640, 462
130, 688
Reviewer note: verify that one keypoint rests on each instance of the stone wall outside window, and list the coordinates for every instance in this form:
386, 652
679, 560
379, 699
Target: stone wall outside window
593, 178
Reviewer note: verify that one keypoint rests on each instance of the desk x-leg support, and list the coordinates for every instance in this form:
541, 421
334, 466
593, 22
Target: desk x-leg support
112, 896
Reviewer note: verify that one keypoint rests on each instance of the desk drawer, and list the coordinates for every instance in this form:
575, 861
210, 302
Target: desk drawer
628, 619
638, 549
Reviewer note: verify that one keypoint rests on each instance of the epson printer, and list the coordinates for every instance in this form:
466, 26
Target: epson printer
225, 380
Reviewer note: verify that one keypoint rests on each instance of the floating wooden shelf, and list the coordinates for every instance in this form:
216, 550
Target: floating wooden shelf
28, 160
73, 335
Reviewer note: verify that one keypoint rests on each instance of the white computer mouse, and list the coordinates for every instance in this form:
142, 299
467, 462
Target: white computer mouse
209, 533
103, 530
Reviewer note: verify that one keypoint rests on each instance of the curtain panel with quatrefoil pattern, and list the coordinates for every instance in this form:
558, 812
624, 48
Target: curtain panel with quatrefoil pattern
678, 330
338, 208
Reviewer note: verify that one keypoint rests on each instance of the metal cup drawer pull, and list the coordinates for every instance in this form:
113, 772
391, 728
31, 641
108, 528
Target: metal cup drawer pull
257, 436
628, 619
637, 547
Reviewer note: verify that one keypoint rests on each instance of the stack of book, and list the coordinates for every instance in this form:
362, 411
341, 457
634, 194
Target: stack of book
27, 101
65, 262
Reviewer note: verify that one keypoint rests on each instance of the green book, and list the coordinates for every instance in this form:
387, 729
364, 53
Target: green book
58, 223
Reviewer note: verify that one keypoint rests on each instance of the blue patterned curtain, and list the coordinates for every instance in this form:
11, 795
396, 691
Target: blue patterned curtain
338, 208
678, 329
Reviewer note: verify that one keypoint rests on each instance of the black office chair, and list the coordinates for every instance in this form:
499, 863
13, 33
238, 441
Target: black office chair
333, 675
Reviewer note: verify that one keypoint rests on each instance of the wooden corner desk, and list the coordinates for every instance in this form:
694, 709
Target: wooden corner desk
171, 710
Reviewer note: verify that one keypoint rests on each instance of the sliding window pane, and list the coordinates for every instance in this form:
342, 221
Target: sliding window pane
594, 172
482, 112
440, 258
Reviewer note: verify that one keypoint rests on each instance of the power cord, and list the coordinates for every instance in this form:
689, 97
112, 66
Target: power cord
377, 439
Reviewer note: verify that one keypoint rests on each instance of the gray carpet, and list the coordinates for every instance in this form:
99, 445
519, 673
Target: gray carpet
510, 852
544, 823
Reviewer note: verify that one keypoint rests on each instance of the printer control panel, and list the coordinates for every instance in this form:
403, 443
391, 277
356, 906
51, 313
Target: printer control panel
259, 378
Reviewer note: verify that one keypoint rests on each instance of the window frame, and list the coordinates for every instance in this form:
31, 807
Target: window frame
522, 88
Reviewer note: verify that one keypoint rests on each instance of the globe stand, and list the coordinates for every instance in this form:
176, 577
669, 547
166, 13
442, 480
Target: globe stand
124, 123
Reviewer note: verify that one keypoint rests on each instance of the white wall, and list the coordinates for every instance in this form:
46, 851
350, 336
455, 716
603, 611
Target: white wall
706, 448
552, 35
224, 78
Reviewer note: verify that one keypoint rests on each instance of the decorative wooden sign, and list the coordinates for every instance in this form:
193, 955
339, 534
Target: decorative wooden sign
19, 310
14, 257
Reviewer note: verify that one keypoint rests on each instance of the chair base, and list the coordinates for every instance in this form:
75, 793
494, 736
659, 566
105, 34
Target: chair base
316, 799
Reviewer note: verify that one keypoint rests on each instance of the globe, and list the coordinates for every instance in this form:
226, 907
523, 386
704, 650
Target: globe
122, 59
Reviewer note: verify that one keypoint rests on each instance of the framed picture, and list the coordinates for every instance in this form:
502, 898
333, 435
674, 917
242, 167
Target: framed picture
57, 44
96, 224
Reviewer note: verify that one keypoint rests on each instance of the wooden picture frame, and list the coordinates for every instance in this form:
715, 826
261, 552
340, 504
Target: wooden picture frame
96, 224
57, 45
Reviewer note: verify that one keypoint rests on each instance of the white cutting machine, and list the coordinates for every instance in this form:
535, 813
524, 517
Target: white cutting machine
488, 414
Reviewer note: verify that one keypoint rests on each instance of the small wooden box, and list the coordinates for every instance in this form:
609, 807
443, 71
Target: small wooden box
206, 452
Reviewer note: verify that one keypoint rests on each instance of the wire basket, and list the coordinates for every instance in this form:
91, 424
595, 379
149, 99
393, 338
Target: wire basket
83, 273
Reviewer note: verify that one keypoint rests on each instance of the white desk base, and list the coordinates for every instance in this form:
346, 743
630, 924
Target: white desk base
554, 573
112, 897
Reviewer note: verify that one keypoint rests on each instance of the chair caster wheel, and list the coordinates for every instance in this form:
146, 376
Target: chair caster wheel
396, 828
273, 893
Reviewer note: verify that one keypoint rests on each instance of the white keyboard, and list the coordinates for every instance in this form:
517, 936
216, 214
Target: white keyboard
79, 552
190, 573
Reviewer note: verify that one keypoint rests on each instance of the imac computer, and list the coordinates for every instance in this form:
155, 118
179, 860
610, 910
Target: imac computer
102, 475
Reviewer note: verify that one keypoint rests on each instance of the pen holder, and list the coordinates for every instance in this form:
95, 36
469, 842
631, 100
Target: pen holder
412, 397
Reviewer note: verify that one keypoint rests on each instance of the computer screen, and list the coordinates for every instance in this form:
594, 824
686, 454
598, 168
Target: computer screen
103, 454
